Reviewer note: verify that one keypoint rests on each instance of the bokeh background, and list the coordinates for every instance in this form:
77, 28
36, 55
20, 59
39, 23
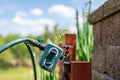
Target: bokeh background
47, 20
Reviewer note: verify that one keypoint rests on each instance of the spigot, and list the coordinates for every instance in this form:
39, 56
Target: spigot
67, 47
66, 54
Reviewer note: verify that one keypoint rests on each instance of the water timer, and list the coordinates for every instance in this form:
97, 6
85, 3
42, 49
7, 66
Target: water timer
50, 57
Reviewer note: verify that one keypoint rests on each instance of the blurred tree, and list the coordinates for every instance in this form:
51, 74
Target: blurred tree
59, 35
47, 36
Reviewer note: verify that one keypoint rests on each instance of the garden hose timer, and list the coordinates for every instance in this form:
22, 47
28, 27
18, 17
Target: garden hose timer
50, 56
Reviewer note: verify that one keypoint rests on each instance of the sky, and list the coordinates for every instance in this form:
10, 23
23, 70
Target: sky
26, 17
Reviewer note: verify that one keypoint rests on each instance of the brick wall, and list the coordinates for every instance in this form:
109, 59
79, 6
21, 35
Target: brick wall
106, 52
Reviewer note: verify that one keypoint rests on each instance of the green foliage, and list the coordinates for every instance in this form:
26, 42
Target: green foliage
85, 37
47, 36
21, 73
44, 75
59, 35
25, 73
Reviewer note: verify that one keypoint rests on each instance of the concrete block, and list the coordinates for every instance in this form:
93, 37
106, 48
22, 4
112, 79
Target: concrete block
113, 62
97, 34
111, 30
96, 16
111, 7
98, 58
96, 75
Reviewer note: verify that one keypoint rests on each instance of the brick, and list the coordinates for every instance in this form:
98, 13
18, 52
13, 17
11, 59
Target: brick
113, 61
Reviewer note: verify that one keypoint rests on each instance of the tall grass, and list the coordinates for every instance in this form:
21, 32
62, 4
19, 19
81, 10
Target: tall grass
84, 35
44, 75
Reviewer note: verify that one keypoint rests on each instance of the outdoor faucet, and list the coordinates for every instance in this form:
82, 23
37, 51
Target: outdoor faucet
67, 62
